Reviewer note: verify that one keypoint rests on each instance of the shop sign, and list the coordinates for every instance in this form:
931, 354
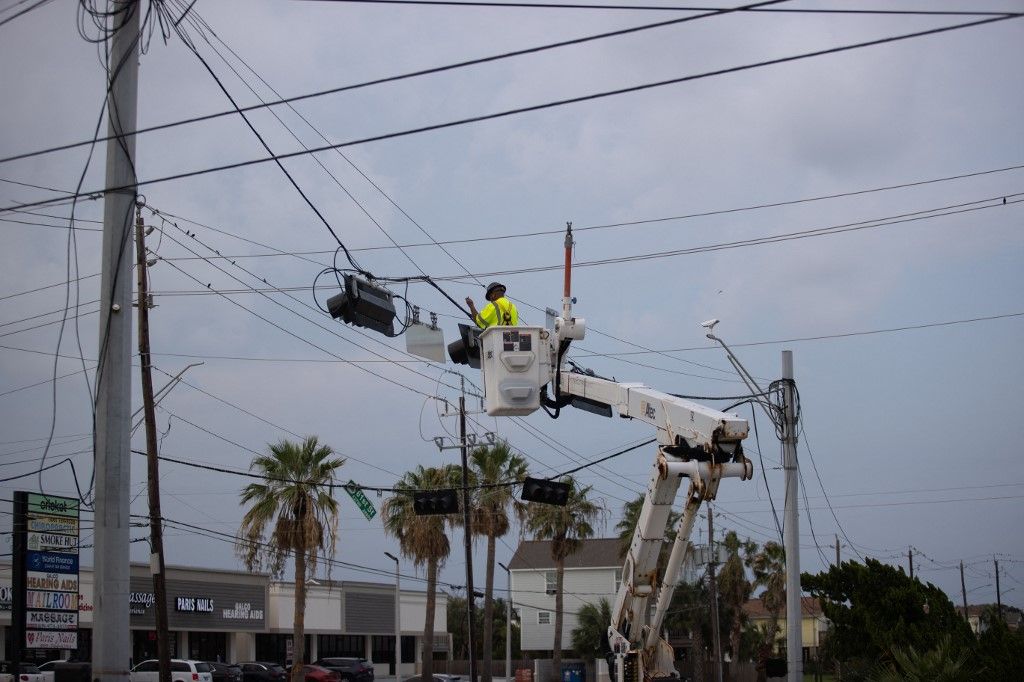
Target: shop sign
52, 620
58, 582
52, 562
40, 505
51, 639
139, 602
52, 542
242, 611
60, 601
53, 524
194, 604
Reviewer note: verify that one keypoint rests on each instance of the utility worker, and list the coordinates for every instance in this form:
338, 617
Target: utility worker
500, 311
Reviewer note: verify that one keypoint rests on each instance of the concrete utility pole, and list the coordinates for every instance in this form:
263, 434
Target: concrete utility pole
156, 537
837, 550
111, 634
508, 626
713, 594
398, 618
468, 534
963, 590
794, 633
910, 559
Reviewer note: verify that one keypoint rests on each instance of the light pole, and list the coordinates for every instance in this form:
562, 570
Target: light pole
398, 618
508, 626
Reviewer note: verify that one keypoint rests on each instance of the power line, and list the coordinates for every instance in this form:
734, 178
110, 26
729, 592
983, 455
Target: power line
528, 109
403, 76
665, 8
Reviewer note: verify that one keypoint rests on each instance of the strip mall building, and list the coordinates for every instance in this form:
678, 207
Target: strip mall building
237, 616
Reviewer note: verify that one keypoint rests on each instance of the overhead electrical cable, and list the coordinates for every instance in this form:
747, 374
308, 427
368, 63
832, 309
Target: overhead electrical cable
404, 76
497, 4
532, 108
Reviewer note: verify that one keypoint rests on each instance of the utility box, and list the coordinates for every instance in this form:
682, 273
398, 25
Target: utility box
516, 363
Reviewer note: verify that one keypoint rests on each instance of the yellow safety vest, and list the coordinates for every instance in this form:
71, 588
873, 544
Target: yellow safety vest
489, 316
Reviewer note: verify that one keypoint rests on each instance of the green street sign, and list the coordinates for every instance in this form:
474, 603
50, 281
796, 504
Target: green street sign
360, 499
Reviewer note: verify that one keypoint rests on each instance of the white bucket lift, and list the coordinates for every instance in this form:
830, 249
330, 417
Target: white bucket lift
516, 363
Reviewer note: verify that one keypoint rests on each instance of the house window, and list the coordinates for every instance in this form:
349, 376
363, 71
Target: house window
543, 618
618, 579
550, 580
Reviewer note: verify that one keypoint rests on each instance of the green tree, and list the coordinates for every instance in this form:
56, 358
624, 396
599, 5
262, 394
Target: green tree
590, 636
769, 565
1000, 652
494, 507
296, 502
941, 664
565, 527
733, 586
422, 538
874, 607
689, 612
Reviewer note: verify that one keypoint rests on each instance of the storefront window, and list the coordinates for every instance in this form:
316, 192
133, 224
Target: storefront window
208, 646
277, 647
144, 644
341, 645
383, 651
408, 649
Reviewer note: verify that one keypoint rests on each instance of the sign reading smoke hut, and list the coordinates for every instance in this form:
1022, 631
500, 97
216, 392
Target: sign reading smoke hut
44, 598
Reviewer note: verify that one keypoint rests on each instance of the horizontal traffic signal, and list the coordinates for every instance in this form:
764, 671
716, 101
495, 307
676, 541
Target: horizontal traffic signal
364, 305
426, 502
544, 491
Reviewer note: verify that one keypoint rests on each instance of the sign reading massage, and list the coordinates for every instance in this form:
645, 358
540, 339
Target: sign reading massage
47, 566
236, 605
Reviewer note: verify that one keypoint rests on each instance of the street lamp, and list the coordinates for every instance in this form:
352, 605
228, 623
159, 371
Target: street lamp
398, 618
508, 626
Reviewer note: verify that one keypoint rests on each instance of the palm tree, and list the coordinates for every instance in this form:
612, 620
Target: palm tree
590, 636
565, 527
769, 567
422, 538
734, 587
296, 501
492, 503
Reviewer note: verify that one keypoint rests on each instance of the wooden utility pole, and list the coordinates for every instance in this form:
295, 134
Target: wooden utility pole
910, 558
156, 540
837, 549
963, 590
999, 595
468, 536
713, 595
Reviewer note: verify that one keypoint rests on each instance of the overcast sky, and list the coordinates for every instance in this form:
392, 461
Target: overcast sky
914, 434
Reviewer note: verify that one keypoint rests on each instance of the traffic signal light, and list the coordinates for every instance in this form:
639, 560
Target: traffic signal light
364, 305
466, 349
426, 502
544, 491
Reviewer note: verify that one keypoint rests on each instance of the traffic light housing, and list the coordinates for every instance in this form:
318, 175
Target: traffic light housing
466, 349
364, 305
545, 492
427, 502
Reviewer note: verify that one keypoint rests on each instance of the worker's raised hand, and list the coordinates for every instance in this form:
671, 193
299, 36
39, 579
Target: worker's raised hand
469, 302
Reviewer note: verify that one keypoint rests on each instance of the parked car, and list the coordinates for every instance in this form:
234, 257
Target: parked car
181, 671
27, 672
47, 669
317, 673
349, 668
262, 671
225, 672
